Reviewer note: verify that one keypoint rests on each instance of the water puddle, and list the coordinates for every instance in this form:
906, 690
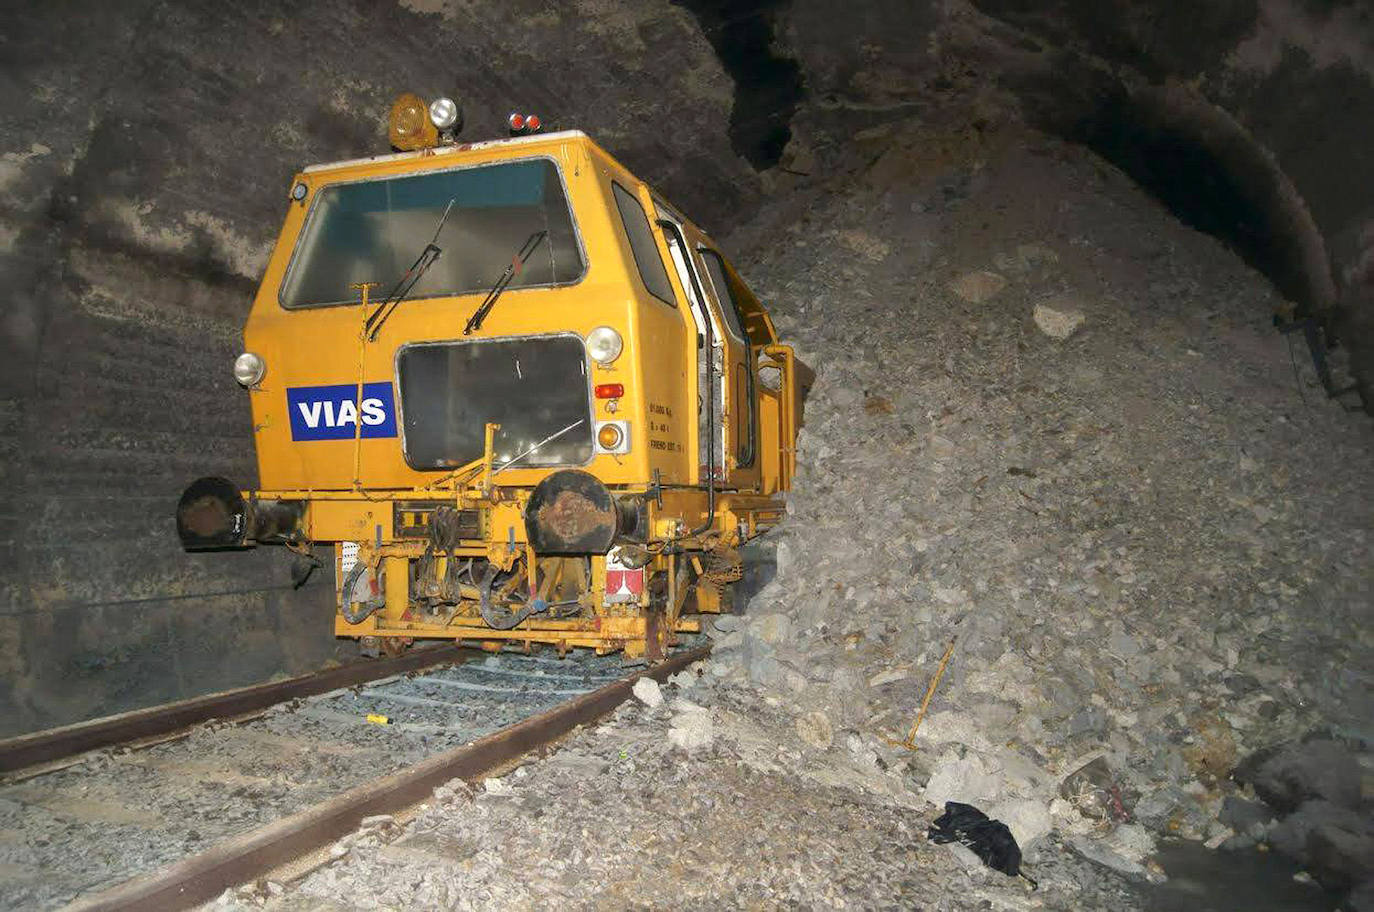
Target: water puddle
1203, 880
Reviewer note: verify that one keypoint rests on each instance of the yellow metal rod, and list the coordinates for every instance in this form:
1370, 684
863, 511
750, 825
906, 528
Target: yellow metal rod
489, 455
930, 692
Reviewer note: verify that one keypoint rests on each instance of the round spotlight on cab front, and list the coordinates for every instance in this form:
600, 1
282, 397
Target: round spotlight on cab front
445, 114
604, 345
249, 369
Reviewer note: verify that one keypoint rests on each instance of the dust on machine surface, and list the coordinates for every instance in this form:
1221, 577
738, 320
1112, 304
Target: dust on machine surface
527, 399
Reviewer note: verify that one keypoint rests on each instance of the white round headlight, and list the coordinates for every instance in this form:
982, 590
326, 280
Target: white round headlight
248, 369
604, 344
443, 113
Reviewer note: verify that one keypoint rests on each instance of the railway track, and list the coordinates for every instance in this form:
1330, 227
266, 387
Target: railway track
42, 750
175, 822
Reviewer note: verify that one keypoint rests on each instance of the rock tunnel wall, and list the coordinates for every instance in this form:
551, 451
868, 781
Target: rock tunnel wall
148, 148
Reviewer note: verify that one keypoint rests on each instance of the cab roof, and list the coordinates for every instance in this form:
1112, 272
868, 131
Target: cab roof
456, 148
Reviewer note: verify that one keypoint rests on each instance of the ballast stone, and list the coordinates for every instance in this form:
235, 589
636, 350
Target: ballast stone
1027, 819
772, 628
1100, 853
692, 728
1059, 321
965, 779
978, 286
647, 691
814, 728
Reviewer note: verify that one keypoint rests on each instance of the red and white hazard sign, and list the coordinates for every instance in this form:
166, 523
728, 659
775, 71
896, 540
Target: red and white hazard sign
623, 584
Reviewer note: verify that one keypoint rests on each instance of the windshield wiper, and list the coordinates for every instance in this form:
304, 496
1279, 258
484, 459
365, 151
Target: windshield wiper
517, 264
549, 439
407, 281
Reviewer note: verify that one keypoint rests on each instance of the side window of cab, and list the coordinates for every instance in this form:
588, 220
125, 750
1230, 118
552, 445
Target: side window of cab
725, 294
637, 231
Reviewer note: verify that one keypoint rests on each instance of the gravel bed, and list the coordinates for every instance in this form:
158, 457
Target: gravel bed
120, 813
620, 817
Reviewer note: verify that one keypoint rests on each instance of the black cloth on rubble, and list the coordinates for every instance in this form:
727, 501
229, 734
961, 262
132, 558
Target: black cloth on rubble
990, 840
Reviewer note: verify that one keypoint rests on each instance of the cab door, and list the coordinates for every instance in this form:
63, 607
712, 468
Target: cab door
739, 361
710, 358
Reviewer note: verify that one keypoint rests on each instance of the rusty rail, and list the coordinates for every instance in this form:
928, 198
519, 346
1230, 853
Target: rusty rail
202, 877
59, 743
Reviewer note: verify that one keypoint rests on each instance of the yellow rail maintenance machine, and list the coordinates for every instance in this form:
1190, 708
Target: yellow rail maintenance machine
527, 400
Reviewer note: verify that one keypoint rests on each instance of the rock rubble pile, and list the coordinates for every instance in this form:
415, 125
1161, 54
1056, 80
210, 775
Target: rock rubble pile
1053, 424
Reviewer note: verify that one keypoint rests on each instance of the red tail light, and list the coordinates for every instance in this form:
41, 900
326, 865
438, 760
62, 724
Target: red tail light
516, 121
610, 390
533, 123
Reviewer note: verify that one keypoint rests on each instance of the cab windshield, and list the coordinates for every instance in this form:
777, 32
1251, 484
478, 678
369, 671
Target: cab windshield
371, 231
